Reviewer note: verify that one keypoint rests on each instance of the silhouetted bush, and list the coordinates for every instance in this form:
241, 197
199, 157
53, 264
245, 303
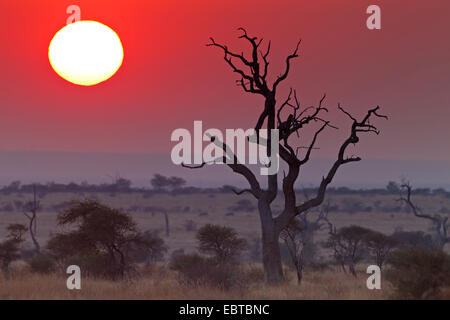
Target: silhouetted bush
413, 239
153, 251
162, 183
94, 265
348, 246
103, 239
380, 246
196, 270
221, 242
10, 248
254, 274
418, 273
42, 263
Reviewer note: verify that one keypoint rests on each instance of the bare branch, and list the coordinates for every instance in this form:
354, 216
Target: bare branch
286, 215
439, 222
288, 62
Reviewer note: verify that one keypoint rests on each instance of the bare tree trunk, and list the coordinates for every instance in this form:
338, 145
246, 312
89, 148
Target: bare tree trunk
32, 227
32, 217
166, 218
255, 81
351, 267
343, 267
273, 269
299, 267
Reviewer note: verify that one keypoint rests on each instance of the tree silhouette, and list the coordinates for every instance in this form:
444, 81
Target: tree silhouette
299, 236
380, 246
290, 119
220, 241
31, 209
10, 248
100, 232
440, 223
160, 182
348, 245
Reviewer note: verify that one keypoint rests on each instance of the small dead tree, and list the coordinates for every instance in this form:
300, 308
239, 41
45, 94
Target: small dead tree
31, 209
290, 119
440, 223
166, 218
298, 235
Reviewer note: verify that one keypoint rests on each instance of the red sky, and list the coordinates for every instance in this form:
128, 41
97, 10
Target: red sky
169, 78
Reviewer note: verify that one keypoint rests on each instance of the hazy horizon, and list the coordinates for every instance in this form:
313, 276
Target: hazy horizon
99, 167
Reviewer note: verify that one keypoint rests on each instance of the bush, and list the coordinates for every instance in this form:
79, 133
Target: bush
153, 250
42, 263
196, 270
92, 265
254, 274
104, 239
418, 273
221, 242
413, 239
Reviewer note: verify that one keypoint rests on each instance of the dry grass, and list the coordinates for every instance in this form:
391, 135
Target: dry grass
163, 284
216, 206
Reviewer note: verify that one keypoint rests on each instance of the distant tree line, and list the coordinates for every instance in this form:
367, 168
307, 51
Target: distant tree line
177, 185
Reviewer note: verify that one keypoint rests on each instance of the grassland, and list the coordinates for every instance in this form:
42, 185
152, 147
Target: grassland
162, 283
187, 212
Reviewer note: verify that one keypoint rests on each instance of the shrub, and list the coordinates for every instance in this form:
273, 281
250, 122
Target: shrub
221, 242
42, 263
95, 265
153, 250
413, 239
102, 233
196, 270
380, 246
189, 266
418, 273
254, 274
348, 246
10, 248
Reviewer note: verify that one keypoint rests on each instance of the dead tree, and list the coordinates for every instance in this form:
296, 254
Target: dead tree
290, 119
31, 209
439, 223
166, 218
298, 235
334, 243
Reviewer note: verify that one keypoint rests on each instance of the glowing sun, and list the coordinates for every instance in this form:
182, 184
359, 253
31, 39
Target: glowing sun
86, 52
